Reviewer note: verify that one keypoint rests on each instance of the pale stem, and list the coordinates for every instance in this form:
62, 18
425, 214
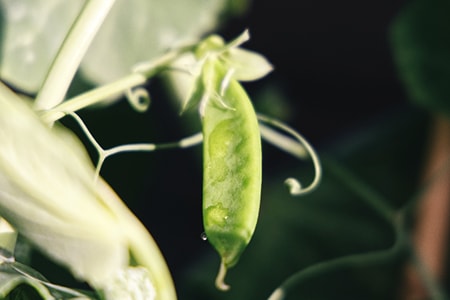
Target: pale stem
283, 142
93, 96
140, 75
294, 185
103, 154
71, 53
220, 279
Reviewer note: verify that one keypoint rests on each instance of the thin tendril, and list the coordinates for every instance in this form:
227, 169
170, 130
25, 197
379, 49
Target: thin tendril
101, 152
294, 185
18, 268
348, 261
139, 98
186, 142
393, 218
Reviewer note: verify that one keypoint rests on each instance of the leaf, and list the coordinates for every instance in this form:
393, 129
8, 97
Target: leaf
140, 30
247, 65
33, 30
48, 194
8, 237
421, 48
135, 31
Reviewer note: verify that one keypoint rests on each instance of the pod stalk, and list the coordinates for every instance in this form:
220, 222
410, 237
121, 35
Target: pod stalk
220, 279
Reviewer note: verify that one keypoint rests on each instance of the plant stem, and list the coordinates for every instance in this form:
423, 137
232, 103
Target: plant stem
375, 257
140, 75
93, 96
432, 223
379, 204
71, 53
366, 193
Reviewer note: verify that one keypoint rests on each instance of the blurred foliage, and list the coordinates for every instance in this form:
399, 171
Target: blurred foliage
421, 46
134, 31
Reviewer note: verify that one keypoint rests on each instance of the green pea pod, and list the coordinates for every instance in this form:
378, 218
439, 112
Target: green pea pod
232, 165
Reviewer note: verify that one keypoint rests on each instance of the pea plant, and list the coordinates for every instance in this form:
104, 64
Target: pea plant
52, 193
68, 231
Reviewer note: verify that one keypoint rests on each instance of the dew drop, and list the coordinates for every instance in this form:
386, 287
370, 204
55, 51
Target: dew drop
203, 236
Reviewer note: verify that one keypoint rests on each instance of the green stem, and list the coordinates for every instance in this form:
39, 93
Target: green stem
140, 75
379, 204
71, 53
349, 261
93, 96
360, 188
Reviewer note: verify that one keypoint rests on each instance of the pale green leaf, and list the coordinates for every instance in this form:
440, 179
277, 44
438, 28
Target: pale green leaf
135, 31
33, 31
47, 193
247, 65
8, 237
141, 30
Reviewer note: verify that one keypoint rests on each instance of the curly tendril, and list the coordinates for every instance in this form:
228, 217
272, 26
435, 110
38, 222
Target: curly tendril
299, 148
139, 98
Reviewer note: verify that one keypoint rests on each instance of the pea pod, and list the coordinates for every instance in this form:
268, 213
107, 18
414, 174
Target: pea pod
231, 163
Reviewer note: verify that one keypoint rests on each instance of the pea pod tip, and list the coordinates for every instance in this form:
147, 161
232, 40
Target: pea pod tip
220, 279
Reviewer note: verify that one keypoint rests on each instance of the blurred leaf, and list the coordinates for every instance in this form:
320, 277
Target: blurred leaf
140, 30
238, 7
8, 236
33, 30
135, 31
420, 38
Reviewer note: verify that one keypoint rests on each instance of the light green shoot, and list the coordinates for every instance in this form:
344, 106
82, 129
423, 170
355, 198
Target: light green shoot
71, 53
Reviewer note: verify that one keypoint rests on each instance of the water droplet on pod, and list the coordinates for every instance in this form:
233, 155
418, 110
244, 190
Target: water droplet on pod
203, 236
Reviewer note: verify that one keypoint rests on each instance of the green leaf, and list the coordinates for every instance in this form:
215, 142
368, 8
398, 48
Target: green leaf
420, 38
